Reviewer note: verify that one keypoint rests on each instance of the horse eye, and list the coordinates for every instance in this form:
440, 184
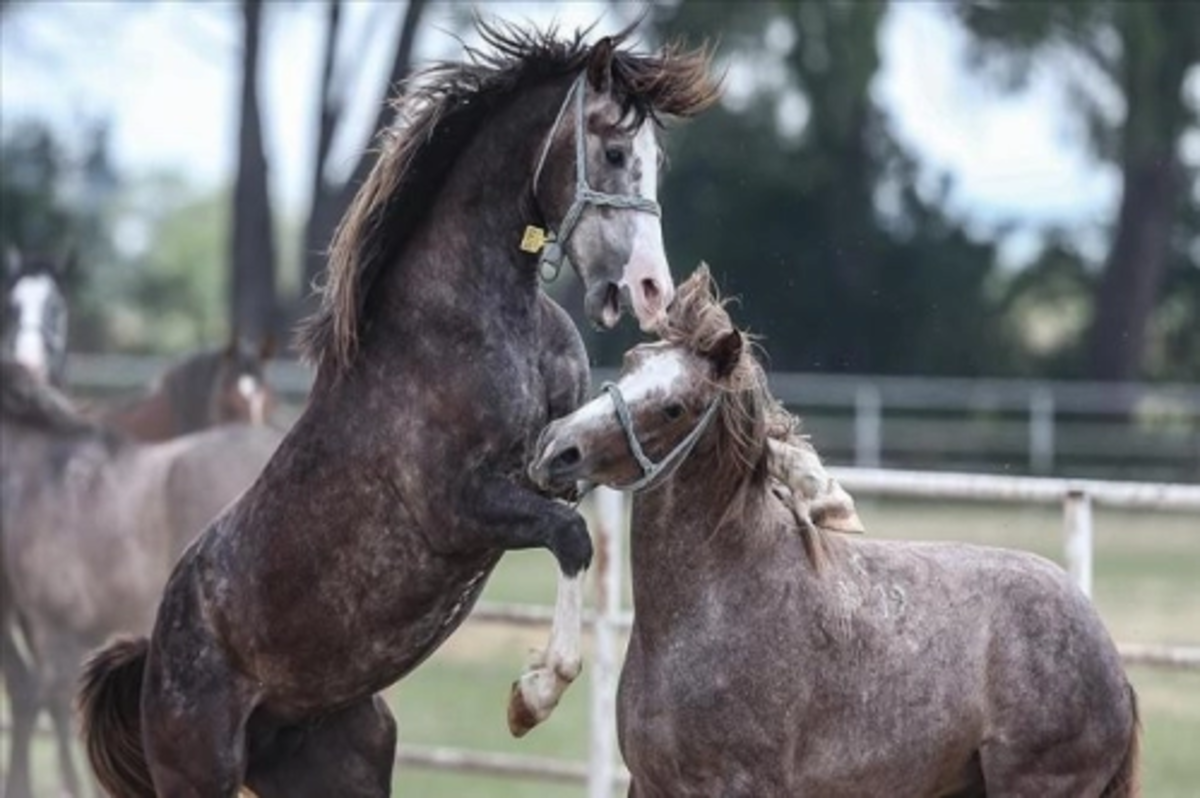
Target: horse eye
615, 156
673, 411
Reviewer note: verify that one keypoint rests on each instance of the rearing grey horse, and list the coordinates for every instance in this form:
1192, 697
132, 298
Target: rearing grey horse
372, 531
770, 659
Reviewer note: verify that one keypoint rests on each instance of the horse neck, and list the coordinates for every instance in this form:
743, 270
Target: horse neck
687, 533
148, 418
462, 264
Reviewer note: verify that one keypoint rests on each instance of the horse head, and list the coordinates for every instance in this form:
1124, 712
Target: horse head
640, 428
240, 391
596, 180
35, 314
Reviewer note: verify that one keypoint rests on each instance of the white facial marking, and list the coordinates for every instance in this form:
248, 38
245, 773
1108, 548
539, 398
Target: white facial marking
647, 264
247, 386
657, 374
252, 391
30, 296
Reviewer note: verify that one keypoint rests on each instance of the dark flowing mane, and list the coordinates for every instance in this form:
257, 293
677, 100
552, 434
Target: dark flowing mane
437, 112
749, 415
27, 400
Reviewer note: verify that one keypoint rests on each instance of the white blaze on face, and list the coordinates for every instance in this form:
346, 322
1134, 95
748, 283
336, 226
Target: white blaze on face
657, 374
30, 296
647, 275
251, 390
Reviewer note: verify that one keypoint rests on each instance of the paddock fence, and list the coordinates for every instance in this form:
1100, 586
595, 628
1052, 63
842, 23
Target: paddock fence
1112, 430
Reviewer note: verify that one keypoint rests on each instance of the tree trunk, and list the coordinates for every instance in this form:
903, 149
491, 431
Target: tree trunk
1133, 274
1158, 49
330, 201
252, 287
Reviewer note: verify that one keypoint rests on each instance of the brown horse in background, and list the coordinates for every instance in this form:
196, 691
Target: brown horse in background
90, 526
372, 531
216, 386
768, 658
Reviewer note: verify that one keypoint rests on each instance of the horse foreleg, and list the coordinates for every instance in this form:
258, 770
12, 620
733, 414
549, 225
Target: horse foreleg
21, 685
59, 705
551, 671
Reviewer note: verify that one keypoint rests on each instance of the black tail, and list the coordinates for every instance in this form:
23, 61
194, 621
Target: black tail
110, 709
1125, 783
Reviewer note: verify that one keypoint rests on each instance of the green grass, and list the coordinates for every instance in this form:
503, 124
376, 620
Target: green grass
1147, 584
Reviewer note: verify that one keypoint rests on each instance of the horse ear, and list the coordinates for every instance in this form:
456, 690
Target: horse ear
599, 68
726, 353
266, 349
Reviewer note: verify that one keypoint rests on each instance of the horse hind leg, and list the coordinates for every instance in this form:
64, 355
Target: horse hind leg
350, 753
1105, 766
1125, 782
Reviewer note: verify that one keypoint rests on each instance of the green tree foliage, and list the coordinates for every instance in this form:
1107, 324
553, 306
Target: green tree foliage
33, 213
170, 295
841, 264
1140, 53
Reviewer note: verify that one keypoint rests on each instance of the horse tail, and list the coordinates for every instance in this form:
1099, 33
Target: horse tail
1124, 784
110, 708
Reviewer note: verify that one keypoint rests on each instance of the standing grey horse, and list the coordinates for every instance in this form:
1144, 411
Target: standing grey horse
373, 529
770, 659
90, 525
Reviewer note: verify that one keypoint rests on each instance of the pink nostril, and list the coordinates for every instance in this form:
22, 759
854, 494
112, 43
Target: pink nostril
651, 292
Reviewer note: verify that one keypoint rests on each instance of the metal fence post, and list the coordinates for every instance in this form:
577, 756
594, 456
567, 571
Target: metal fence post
1077, 520
609, 559
867, 422
1041, 431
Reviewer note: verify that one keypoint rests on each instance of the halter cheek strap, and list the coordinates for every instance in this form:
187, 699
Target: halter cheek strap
551, 244
653, 473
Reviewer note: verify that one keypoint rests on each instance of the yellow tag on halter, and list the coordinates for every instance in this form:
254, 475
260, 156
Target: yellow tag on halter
533, 240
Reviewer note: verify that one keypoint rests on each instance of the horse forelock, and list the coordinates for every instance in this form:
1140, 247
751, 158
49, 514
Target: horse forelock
438, 111
749, 415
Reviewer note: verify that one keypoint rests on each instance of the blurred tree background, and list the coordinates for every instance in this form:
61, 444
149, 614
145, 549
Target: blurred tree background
797, 190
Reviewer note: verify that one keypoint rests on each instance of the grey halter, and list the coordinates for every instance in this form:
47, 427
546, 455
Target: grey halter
653, 472
551, 244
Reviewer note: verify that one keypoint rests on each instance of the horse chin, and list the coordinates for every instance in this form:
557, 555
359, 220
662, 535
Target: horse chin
603, 305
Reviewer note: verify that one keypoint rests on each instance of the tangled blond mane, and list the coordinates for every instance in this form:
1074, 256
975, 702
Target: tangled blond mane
437, 113
749, 415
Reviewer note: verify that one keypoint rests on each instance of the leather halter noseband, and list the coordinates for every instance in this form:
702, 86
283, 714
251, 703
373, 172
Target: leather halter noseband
652, 471
551, 244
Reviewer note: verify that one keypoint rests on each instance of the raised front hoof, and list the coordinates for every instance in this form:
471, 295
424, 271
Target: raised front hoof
535, 695
521, 717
